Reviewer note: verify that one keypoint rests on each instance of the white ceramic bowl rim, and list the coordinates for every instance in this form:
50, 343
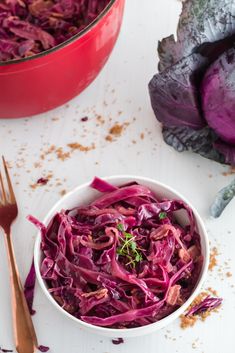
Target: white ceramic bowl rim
132, 331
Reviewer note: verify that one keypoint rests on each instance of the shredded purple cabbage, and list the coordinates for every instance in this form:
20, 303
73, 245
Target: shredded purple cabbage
123, 261
28, 27
43, 348
117, 341
29, 287
208, 304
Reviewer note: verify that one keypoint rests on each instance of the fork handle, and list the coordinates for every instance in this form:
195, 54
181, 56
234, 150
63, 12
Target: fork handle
25, 336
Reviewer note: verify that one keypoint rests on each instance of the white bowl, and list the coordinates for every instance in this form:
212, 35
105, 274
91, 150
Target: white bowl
82, 195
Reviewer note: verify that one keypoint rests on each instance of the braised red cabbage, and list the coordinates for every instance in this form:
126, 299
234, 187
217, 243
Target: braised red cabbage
123, 261
43, 348
29, 287
208, 304
28, 27
118, 341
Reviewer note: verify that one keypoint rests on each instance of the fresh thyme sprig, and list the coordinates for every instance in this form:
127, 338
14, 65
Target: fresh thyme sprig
129, 248
162, 215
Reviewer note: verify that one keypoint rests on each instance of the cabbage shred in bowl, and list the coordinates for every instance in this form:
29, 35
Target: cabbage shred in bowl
123, 261
29, 27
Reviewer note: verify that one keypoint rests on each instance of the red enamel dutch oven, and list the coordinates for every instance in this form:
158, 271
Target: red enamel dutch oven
39, 83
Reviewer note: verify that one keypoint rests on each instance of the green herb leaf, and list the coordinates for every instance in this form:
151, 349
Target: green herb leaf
120, 227
129, 248
119, 251
138, 257
133, 245
162, 215
127, 235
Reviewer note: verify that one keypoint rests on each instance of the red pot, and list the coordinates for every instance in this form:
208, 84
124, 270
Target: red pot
42, 82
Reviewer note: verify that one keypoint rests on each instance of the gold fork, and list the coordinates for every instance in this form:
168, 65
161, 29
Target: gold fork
25, 336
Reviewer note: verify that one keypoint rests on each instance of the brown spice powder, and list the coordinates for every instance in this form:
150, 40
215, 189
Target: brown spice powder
77, 146
229, 172
116, 130
109, 138
213, 258
48, 151
212, 291
100, 119
60, 154
37, 165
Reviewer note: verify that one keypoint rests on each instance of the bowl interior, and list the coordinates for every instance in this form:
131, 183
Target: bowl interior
83, 195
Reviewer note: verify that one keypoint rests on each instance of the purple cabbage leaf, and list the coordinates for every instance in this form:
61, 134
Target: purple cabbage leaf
193, 93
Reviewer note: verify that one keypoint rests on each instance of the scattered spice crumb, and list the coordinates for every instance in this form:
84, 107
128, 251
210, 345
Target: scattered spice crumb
48, 151
231, 171
134, 142
109, 138
194, 346
142, 135
55, 118
77, 146
63, 192
187, 321
37, 165
100, 119
212, 291
116, 130
228, 274
120, 112
61, 154
85, 118
213, 258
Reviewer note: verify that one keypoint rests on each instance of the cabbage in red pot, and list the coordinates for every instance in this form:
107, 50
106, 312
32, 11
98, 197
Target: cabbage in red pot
28, 27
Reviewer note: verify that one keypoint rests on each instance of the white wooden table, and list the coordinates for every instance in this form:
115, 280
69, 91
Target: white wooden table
119, 94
